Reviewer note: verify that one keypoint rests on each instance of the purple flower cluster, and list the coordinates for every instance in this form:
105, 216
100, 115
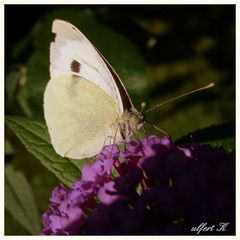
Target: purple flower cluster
153, 187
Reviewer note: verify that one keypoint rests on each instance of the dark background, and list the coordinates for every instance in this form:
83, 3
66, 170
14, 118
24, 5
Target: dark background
193, 20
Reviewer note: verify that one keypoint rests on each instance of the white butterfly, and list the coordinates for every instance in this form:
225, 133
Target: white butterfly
86, 106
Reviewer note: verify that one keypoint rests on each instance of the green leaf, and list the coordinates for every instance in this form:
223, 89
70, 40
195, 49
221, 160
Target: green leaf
19, 200
228, 144
34, 136
82, 162
221, 135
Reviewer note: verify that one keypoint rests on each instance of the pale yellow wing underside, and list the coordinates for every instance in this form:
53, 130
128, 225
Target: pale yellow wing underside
80, 116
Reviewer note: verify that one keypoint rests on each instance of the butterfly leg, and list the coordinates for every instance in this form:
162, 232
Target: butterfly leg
144, 130
114, 139
104, 143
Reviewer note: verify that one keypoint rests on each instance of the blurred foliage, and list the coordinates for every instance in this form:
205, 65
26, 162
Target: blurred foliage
158, 51
19, 200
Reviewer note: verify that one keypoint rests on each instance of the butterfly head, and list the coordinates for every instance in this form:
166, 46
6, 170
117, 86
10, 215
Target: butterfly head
130, 121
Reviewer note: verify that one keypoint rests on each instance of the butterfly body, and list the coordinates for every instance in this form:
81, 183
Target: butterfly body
86, 106
129, 122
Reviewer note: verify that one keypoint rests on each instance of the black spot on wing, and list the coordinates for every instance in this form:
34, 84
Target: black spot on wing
75, 66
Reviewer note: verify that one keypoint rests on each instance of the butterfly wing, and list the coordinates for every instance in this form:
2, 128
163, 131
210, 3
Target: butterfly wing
81, 117
126, 100
72, 52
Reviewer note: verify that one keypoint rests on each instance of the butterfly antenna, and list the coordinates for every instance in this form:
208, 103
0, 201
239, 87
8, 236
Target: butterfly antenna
183, 95
157, 128
143, 105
